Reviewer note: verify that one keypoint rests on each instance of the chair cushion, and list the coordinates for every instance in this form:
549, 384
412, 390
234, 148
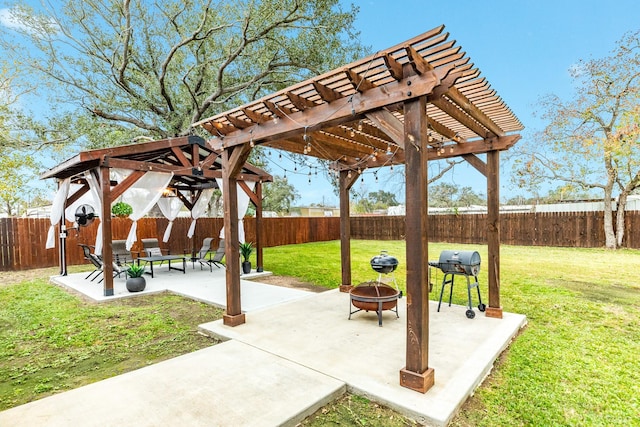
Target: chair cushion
154, 252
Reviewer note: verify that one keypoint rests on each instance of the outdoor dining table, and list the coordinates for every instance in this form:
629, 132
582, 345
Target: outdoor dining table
161, 258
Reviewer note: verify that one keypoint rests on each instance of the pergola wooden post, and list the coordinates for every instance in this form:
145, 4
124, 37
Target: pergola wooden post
232, 160
493, 233
416, 375
347, 178
259, 258
105, 223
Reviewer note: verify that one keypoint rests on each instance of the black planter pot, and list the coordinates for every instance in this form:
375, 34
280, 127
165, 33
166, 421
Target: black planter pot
246, 267
136, 284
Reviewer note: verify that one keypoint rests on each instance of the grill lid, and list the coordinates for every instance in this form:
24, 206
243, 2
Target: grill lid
384, 263
464, 262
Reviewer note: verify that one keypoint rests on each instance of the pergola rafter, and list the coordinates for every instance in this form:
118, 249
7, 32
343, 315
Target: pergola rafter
417, 101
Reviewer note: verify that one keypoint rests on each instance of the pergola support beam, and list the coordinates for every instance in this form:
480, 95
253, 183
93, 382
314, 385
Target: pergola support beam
347, 179
340, 111
416, 375
493, 233
232, 160
105, 223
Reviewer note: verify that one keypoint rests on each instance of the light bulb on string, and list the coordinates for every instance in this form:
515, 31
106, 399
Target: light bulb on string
360, 125
389, 152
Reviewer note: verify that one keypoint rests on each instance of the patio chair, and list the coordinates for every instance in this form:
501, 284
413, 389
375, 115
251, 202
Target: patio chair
96, 260
204, 256
151, 247
93, 259
217, 257
120, 253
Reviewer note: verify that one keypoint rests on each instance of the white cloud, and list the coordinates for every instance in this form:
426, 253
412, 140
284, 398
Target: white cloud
21, 19
9, 20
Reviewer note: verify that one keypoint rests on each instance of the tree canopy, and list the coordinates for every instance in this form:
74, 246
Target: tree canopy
122, 69
279, 195
592, 140
447, 195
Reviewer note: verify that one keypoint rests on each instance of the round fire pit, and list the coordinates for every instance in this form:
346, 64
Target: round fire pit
375, 296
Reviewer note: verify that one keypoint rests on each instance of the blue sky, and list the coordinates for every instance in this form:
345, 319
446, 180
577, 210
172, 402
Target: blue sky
523, 47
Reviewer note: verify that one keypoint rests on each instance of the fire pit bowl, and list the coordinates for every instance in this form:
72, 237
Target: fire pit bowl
375, 296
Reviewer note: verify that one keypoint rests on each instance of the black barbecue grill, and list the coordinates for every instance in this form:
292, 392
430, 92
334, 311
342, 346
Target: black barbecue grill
377, 296
463, 263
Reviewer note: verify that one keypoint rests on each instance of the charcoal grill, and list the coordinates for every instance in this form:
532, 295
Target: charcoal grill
376, 295
460, 263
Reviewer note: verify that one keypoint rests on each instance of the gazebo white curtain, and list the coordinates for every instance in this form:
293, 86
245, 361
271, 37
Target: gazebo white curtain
170, 208
142, 196
57, 210
243, 205
92, 198
199, 209
94, 191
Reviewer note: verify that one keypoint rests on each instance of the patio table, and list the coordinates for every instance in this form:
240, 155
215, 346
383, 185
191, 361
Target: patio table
161, 258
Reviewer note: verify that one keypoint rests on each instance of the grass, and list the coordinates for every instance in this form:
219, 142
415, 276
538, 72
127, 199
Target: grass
576, 363
51, 341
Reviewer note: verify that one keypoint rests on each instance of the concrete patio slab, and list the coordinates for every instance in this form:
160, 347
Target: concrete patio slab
296, 352
202, 285
230, 384
316, 333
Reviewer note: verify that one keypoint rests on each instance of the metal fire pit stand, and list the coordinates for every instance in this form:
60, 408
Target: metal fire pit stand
380, 300
451, 275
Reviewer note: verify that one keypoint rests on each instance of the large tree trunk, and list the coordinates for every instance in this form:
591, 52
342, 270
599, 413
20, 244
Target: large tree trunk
620, 213
609, 233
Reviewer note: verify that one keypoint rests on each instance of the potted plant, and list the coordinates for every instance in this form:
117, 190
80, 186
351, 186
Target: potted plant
246, 249
135, 281
121, 209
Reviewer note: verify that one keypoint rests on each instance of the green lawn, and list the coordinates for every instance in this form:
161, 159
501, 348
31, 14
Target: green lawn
52, 341
577, 363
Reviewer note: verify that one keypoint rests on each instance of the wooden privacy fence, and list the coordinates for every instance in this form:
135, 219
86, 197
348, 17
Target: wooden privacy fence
564, 229
22, 240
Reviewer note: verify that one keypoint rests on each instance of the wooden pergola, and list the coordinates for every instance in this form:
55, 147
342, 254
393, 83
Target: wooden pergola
195, 165
418, 101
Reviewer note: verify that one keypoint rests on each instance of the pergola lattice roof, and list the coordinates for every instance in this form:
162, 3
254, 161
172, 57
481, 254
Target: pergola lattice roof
326, 117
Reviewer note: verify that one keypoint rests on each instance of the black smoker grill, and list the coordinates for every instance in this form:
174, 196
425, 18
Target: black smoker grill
464, 263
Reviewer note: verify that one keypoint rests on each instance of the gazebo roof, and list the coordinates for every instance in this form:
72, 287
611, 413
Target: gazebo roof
354, 115
194, 163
